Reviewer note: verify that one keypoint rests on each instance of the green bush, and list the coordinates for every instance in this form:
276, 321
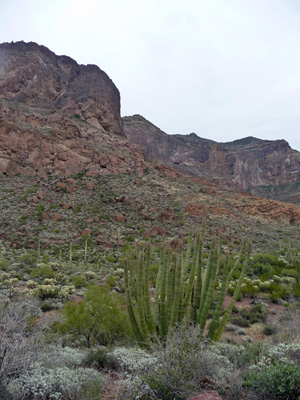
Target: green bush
269, 329
28, 259
99, 319
79, 281
43, 271
97, 357
274, 381
47, 307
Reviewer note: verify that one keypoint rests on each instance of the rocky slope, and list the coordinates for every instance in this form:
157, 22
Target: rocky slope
59, 117
262, 167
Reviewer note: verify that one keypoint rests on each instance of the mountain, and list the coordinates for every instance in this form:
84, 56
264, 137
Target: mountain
262, 167
59, 117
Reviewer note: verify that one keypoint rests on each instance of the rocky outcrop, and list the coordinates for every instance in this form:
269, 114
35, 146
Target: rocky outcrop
262, 167
60, 117
270, 209
248, 205
33, 75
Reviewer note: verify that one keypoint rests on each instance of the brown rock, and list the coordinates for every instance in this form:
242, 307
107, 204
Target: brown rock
45, 216
85, 232
90, 221
70, 181
272, 210
90, 186
166, 216
61, 185
92, 173
207, 190
35, 199
149, 217
120, 218
67, 206
57, 217
207, 395
159, 230
100, 242
120, 199
71, 189
175, 243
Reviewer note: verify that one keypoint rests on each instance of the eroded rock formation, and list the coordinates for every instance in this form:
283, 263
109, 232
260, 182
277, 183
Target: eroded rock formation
263, 167
60, 117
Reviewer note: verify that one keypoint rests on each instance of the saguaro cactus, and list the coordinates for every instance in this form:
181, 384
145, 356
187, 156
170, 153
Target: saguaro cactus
185, 287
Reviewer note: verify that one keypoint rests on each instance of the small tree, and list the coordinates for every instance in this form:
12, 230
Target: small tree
97, 319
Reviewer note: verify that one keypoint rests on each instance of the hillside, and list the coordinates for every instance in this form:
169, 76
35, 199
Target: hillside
102, 215
262, 167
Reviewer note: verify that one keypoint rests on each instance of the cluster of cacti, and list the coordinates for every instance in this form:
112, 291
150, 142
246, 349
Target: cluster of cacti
185, 287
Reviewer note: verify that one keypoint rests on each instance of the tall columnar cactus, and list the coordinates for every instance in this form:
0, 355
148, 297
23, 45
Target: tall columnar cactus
185, 288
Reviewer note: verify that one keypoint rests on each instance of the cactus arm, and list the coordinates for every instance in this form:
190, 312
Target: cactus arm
198, 286
222, 294
132, 318
210, 289
148, 312
170, 287
141, 297
177, 293
157, 295
228, 311
207, 277
191, 281
163, 310
186, 264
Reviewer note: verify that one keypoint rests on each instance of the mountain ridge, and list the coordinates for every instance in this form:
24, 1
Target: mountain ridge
247, 164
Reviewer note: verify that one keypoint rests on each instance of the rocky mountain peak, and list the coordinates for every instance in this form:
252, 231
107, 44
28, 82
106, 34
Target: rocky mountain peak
59, 117
35, 76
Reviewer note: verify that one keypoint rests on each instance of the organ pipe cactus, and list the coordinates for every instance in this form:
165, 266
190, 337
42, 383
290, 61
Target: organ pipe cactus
185, 287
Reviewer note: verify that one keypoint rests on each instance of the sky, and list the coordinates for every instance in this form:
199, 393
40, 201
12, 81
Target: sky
224, 69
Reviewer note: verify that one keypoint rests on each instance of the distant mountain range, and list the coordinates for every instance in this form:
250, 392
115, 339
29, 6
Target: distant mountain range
58, 117
263, 167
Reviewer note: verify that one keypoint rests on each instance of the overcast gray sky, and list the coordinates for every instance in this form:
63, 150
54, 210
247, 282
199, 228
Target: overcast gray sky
224, 69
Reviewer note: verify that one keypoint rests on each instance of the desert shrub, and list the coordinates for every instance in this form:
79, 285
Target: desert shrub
285, 352
27, 259
97, 357
186, 362
4, 263
240, 321
99, 319
269, 329
132, 361
66, 291
61, 383
289, 328
277, 380
257, 313
45, 291
47, 307
43, 271
20, 339
79, 281
54, 356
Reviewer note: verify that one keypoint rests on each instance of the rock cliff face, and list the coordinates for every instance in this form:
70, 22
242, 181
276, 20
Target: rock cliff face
262, 167
60, 117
